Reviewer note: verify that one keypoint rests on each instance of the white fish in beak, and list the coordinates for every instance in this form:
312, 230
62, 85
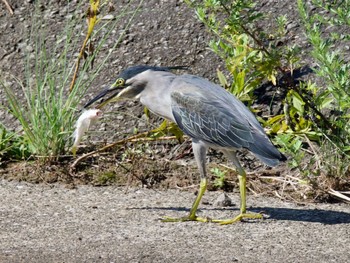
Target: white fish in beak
87, 118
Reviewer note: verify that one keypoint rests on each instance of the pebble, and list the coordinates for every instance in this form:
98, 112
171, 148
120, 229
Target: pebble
223, 200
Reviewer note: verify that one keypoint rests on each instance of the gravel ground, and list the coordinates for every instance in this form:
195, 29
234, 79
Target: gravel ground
50, 223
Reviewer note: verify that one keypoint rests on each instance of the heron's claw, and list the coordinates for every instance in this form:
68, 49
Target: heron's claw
240, 217
186, 219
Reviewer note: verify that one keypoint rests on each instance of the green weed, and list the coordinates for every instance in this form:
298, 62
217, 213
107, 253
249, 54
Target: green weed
48, 113
12, 146
219, 181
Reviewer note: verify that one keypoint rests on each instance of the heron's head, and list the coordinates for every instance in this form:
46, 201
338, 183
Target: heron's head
129, 84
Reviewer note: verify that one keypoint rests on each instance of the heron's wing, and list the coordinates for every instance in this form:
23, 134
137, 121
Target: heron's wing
209, 121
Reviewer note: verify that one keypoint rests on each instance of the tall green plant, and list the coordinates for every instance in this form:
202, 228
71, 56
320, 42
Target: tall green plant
251, 56
47, 115
332, 69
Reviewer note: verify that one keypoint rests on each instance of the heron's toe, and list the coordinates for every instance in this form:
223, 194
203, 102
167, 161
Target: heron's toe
186, 219
238, 218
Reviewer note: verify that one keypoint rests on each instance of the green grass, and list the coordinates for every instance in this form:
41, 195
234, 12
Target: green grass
48, 112
12, 146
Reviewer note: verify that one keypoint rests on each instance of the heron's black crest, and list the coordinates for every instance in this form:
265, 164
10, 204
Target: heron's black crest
135, 70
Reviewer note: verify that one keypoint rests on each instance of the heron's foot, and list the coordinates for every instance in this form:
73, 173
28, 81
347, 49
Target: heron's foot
240, 217
186, 219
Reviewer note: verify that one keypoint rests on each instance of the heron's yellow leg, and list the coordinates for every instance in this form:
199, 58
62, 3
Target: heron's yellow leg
192, 216
243, 210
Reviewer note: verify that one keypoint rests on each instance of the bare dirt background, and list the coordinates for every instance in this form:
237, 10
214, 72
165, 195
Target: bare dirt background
61, 221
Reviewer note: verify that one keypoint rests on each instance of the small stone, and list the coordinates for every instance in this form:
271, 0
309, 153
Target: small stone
29, 49
291, 26
108, 17
223, 201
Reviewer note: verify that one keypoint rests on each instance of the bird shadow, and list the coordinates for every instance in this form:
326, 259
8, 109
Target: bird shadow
327, 217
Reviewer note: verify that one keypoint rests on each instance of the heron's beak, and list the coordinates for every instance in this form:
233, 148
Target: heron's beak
105, 96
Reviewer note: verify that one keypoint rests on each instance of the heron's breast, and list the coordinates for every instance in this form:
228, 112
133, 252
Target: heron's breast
160, 105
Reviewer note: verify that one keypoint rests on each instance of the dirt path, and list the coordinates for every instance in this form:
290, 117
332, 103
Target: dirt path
40, 223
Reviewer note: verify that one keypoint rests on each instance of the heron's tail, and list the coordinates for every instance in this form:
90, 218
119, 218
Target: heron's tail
272, 162
267, 153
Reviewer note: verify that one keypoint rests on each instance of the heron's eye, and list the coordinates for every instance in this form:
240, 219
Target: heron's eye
119, 82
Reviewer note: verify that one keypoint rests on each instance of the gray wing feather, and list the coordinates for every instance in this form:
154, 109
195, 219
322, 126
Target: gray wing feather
206, 122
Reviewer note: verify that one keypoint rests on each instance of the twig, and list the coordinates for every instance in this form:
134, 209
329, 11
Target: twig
9, 8
318, 159
279, 196
135, 138
106, 147
91, 20
251, 190
165, 138
186, 187
339, 195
